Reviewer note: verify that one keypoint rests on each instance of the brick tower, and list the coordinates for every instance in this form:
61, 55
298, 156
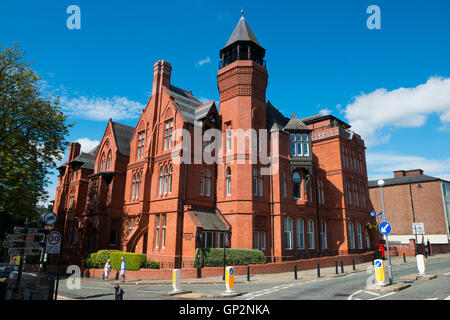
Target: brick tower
242, 82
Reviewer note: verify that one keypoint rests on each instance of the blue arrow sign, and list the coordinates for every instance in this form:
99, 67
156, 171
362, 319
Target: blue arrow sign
385, 228
231, 271
378, 264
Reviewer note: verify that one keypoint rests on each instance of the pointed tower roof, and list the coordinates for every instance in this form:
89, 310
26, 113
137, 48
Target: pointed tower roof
242, 32
295, 124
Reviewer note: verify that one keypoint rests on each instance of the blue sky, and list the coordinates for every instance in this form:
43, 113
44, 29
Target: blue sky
321, 57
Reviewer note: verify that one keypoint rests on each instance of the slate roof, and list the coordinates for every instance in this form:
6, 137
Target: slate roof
122, 134
188, 104
404, 180
87, 159
208, 220
295, 124
242, 32
274, 117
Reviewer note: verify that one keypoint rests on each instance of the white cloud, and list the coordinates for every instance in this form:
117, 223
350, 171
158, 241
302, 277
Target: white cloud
87, 144
382, 165
325, 112
204, 100
202, 62
101, 109
402, 107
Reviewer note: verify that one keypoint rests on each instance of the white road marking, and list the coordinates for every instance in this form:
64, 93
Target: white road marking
351, 296
431, 299
446, 274
369, 292
448, 298
391, 293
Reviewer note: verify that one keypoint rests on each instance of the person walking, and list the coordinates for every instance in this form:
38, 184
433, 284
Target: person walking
107, 269
123, 268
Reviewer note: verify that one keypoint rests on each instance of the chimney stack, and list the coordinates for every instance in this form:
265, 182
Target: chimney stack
74, 150
161, 75
407, 173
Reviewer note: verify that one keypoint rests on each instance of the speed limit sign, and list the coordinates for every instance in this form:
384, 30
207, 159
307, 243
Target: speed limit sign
53, 242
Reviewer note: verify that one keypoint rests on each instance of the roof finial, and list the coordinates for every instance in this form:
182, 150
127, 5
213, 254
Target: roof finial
242, 12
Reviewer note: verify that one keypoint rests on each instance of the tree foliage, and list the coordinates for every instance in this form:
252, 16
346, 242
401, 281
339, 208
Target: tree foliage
32, 137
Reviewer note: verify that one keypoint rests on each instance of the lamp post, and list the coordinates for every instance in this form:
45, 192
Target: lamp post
381, 184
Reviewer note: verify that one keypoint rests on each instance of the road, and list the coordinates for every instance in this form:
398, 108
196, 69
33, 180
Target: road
348, 287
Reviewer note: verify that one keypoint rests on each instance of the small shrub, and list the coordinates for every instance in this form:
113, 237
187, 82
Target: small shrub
134, 260
151, 264
213, 257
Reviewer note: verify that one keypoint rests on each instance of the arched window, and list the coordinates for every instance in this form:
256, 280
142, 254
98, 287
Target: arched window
255, 181
355, 188
288, 236
311, 239
297, 182
165, 179
170, 178
102, 163
323, 235
109, 160
349, 194
141, 140
228, 181
351, 235
138, 184
208, 182
284, 184
359, 235
133, 194
320, 192
363, 196
300, 228
161, 181
202, 182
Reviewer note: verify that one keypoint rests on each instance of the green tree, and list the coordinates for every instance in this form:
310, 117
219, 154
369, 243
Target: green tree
32, 138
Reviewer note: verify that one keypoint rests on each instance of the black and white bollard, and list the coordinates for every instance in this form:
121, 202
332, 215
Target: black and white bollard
337, 269
342, 266
404, 258
353, 263
318, 270
295, 272
248, 273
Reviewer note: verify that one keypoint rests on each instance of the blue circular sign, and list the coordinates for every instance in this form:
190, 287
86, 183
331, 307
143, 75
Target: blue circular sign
385, 228
378, 264
231, 271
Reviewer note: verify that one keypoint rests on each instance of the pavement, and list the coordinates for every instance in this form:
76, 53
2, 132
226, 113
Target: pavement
267, 278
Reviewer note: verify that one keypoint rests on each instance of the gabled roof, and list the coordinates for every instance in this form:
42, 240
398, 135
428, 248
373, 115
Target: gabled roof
208, 220
202, 111
242, 32
296, 124
122, 134
186, 103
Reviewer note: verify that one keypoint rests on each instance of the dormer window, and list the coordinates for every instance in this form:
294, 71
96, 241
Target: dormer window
299, 144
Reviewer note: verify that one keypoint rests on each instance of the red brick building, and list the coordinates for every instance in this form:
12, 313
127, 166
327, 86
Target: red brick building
305, 196
412, 197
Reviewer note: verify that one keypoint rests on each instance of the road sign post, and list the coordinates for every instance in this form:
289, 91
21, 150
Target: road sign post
176, 281
381, 183
421, 264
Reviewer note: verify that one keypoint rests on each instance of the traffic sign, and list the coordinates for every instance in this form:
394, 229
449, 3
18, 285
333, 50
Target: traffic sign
379, 271
24, 252
16, 244
229, 280
418, 228
385, 228
53, 243
35, 231
26, 237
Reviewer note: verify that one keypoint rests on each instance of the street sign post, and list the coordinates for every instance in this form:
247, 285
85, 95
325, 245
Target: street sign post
29, 245
35, 231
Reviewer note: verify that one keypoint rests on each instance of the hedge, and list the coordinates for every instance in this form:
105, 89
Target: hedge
213, 257
135, 261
